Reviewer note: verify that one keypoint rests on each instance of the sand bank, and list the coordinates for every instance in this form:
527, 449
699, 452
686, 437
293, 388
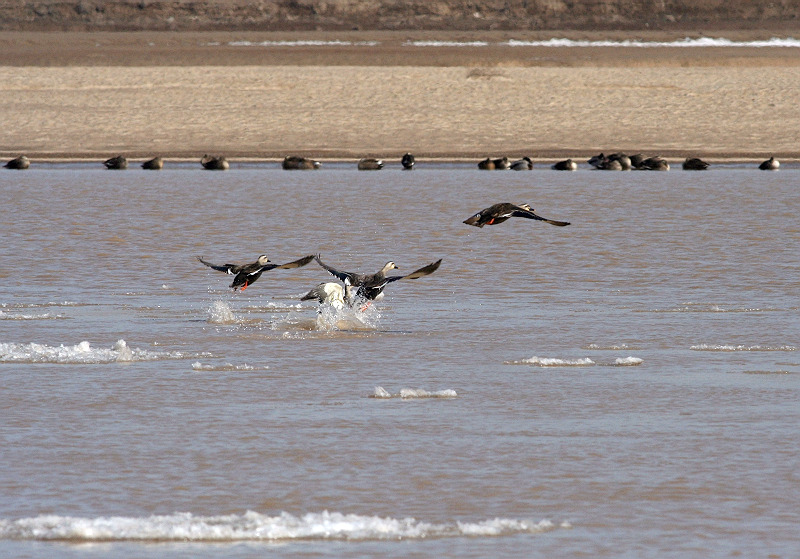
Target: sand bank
94, 95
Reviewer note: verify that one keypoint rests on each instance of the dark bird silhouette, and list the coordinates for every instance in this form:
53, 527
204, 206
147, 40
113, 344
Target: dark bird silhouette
247, 274
155, 164
694, 164
505, 210
214, 163
770, 164
524, 164
19, 163
408, 162
116, 163
370, 286
370, 164
565, 165
297, 163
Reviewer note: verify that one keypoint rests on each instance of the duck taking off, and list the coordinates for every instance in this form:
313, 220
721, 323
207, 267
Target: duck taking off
370, 286
247, 274
505, 210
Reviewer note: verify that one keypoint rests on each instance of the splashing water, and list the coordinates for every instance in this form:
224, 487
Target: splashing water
220, 313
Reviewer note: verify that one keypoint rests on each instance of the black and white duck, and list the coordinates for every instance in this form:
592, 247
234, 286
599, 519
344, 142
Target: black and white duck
247, 274
370, 286
499, 213
214, 163
770, 164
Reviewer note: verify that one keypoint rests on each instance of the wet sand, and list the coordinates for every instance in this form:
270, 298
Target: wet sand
180, 95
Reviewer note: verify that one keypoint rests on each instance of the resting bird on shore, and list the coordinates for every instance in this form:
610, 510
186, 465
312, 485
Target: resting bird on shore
155, 164
297, 163
566, 165
214, 163
247, 274
694, 164
505, 210
770, 164
370, 286
653, 164
116, 163
370, 164
18, 163
524, 164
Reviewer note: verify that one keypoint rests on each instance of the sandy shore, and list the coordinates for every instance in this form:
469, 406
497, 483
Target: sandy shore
181, 95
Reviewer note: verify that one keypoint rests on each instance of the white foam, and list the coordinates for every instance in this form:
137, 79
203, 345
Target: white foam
446, 44
725, 347
14, 316
553, 362
82, 353
615, 347
688, 42
252, 526
413, 393
309, 43
628, 361
198, 366
334, 317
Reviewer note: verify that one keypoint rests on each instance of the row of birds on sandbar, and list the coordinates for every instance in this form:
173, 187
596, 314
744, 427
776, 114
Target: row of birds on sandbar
359, 288
612, 162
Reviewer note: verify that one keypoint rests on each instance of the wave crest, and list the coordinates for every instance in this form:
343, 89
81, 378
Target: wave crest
254, 526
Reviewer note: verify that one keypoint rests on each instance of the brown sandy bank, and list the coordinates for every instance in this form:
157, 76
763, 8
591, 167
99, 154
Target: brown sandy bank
185, 94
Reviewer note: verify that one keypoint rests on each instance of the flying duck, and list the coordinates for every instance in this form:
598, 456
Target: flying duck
408, 162
19, 163
155, 164
294, 163
116, 163
505, 210
370, 164
370, 286
770, 164
214, 163
247, 274
566, 165
694, 164
524, 164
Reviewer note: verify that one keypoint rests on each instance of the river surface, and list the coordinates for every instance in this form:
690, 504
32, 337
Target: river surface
626, 386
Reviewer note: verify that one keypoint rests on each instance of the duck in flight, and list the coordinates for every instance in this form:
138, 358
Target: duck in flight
505, 210
371, 286
247, 274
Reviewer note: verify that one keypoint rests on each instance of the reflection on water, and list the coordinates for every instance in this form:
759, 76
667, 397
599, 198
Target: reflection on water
627, 382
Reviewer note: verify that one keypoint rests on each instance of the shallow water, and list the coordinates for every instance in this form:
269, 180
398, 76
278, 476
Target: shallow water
626, 386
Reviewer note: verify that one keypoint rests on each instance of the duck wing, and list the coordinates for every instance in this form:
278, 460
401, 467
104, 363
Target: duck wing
295, 264
424, 271
522, 212
344, 277
231, 269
